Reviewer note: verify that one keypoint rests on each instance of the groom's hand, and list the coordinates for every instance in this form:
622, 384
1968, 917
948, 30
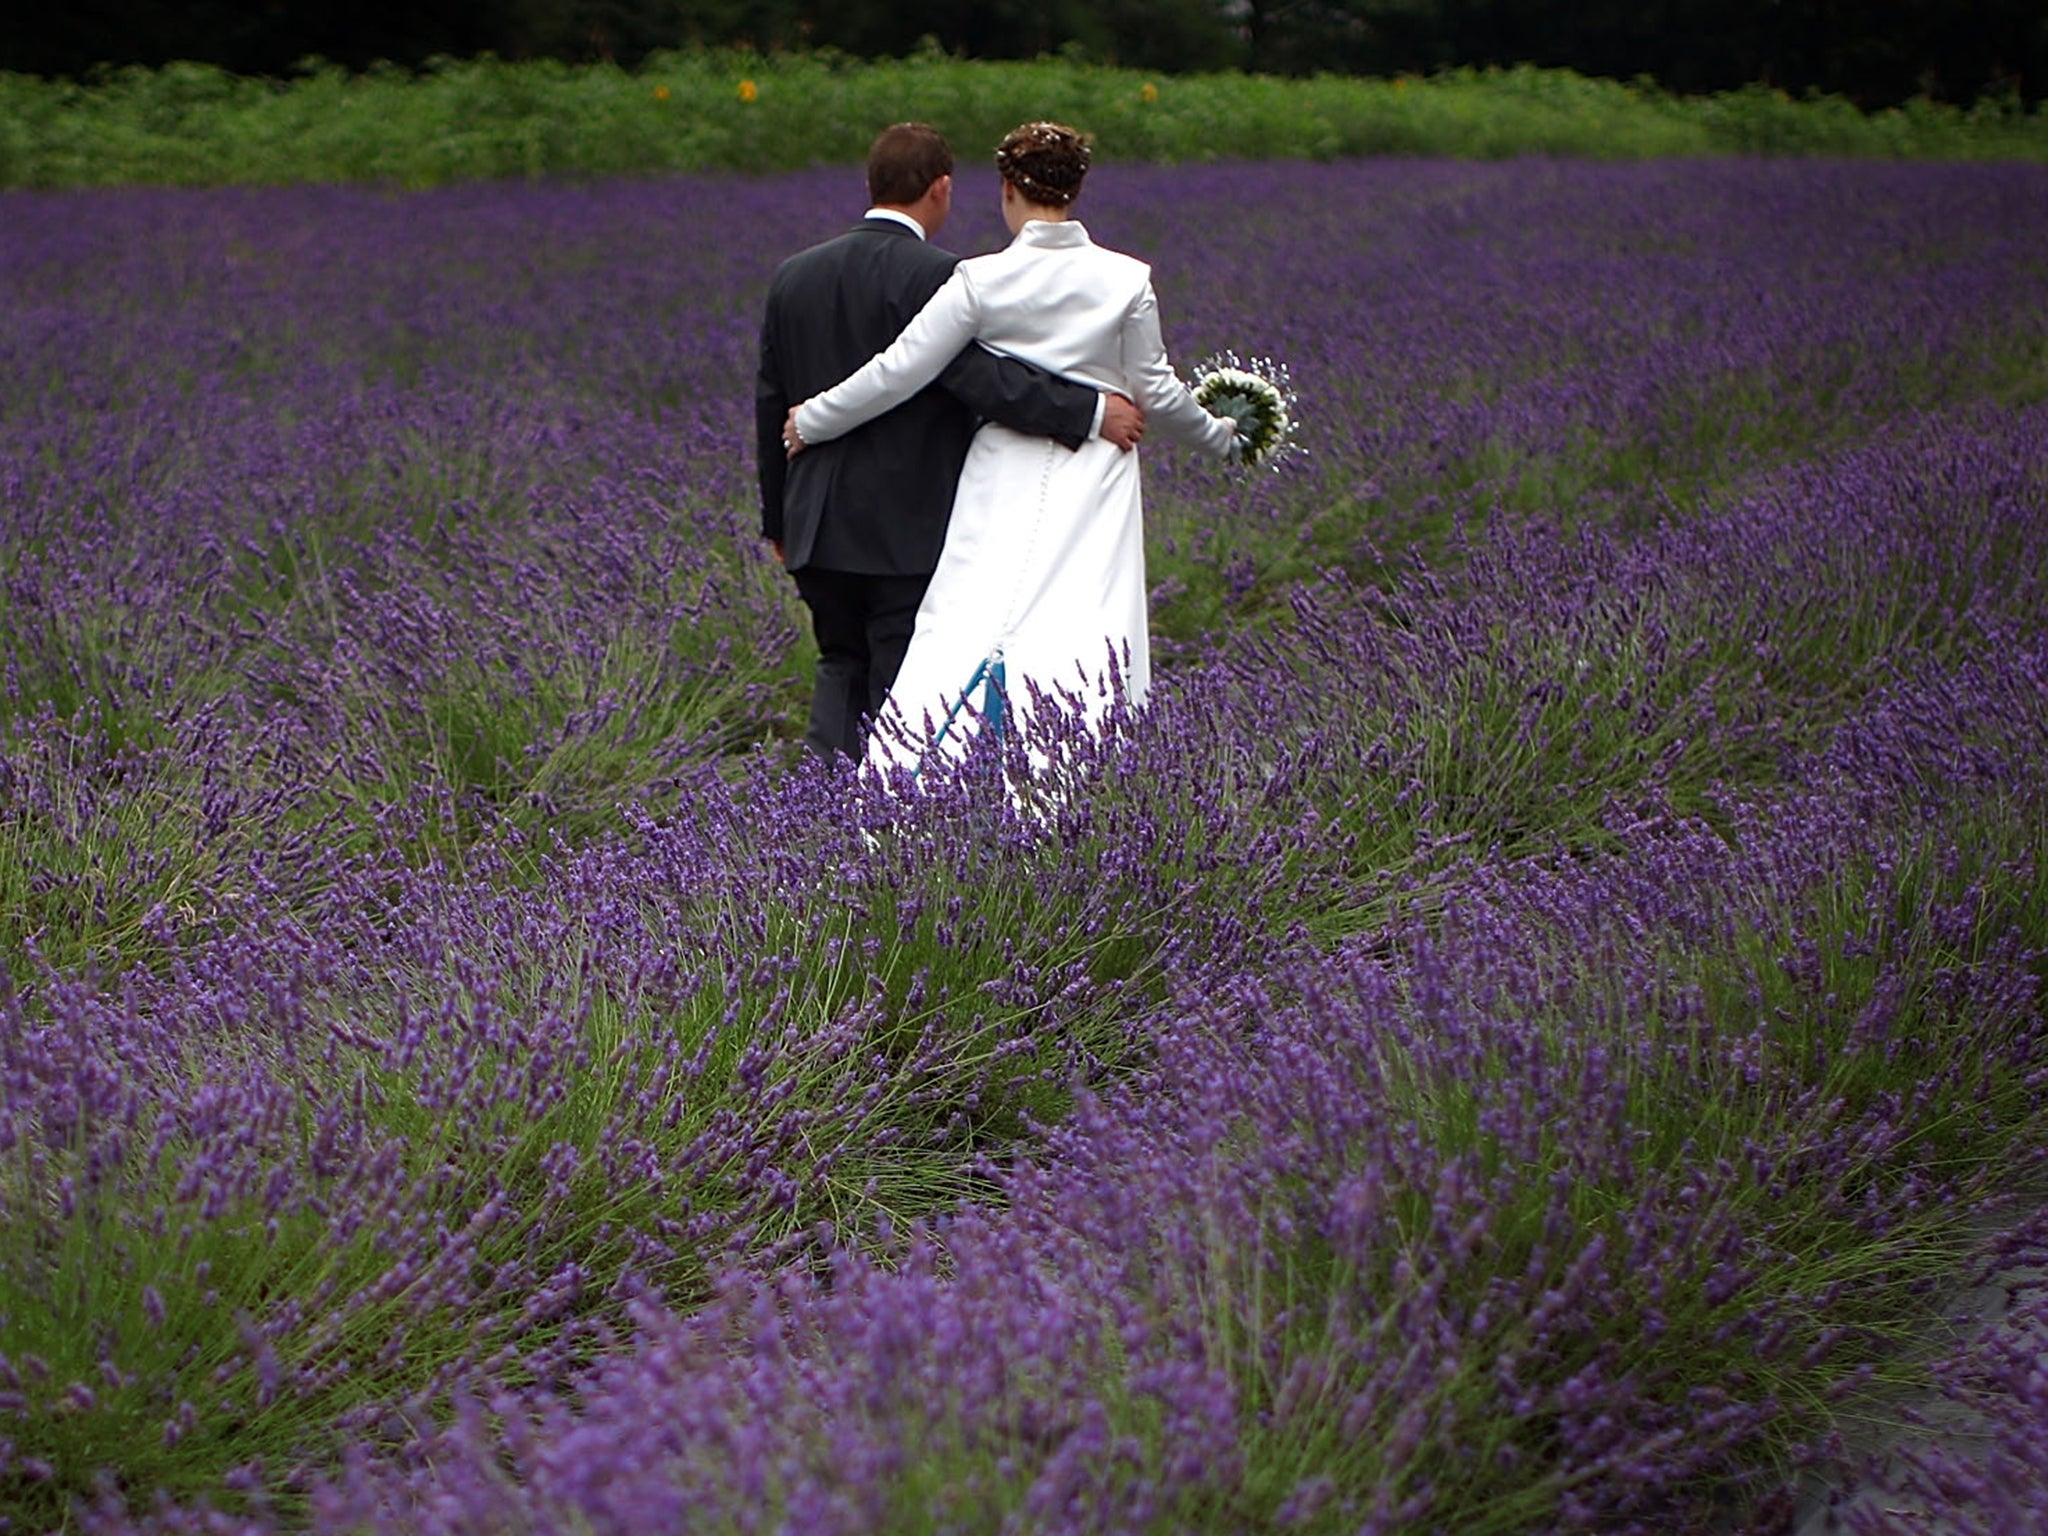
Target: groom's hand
1122, 422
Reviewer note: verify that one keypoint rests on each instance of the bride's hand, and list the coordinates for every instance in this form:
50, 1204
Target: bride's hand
792, 440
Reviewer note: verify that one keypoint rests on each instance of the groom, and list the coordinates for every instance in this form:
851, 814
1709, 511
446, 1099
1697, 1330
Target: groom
858, 522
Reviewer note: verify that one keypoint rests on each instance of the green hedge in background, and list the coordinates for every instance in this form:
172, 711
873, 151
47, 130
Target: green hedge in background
189, 124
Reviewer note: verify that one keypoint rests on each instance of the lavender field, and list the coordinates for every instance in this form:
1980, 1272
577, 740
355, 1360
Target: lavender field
1528, 1030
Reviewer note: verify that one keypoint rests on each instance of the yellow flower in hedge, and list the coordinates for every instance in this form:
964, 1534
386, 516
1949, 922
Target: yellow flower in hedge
748, 90
1400, 82
661, 93
1148, 92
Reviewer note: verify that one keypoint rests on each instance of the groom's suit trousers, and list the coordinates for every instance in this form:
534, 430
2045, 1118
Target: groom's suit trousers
863, 626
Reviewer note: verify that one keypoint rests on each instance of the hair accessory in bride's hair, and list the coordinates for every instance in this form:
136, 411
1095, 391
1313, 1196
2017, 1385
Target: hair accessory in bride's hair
1045, 161
1256, 394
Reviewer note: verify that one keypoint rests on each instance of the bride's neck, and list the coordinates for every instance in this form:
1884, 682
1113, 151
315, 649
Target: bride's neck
1019, 210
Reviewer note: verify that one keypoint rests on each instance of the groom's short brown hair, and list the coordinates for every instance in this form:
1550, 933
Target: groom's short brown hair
905, 159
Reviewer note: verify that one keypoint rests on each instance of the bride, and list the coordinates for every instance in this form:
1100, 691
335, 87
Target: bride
1041, 583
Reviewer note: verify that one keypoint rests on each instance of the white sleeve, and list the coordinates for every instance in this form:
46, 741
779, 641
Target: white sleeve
1166, 400
919, 355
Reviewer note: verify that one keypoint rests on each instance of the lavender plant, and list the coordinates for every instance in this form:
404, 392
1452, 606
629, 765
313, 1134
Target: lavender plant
1541, 1212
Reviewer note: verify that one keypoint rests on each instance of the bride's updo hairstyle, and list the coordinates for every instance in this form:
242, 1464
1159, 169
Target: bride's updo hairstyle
1046, 162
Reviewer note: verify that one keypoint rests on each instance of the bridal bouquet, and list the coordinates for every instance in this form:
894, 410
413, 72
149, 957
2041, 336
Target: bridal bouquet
1256, 395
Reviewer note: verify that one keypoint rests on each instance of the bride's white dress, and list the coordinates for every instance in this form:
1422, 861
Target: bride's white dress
1044, 559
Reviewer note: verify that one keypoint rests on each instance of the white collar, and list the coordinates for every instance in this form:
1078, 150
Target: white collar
900, 217
1053, 233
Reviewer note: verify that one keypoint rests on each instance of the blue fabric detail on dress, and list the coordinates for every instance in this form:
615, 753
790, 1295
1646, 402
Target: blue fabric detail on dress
990, 677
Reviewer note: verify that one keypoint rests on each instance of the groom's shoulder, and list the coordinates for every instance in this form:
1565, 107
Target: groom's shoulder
824, 253
866, 245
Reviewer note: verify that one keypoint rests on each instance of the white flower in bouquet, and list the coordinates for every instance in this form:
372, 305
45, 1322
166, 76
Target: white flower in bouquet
1254, 393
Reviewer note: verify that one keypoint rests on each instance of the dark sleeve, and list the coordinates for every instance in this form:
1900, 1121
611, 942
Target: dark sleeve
771, 406
1021, 397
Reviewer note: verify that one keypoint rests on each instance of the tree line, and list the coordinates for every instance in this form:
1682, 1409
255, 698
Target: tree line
1875, 52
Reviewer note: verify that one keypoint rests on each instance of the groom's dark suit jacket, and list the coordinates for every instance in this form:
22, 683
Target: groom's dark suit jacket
876, 501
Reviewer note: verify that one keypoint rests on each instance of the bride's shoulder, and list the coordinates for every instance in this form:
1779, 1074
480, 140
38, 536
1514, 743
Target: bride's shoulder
1108, 260
1115, 273
1129, 268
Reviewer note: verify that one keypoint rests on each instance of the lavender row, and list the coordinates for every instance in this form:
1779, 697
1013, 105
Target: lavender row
425, 1129
1544, 1208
